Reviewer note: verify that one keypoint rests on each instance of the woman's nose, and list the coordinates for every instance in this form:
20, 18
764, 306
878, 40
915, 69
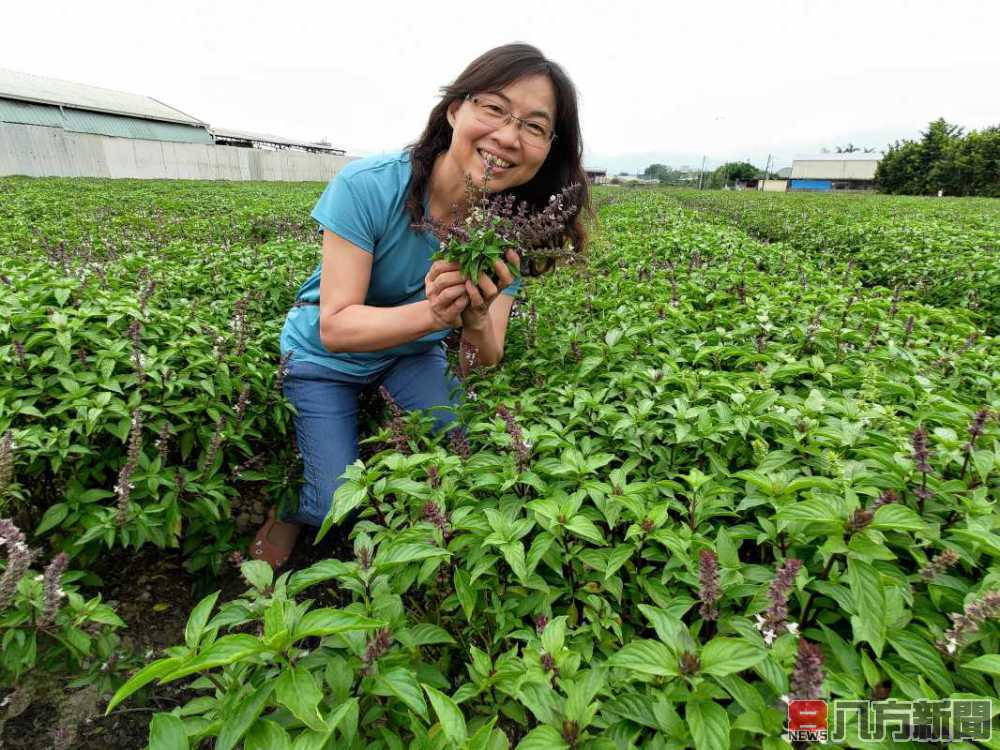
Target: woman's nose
509, 133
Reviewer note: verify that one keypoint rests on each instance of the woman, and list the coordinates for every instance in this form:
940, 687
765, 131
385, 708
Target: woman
376, 310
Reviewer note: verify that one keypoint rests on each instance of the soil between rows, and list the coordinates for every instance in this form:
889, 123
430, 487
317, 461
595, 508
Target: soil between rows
154, 595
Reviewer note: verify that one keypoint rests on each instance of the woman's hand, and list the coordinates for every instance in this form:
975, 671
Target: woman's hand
445, 289
476, 315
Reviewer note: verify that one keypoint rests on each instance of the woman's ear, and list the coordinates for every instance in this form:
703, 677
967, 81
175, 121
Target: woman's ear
452, 109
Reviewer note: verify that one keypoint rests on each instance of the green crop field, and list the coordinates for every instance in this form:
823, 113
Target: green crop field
748, 452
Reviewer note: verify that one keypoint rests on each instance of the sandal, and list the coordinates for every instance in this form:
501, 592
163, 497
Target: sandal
262, 548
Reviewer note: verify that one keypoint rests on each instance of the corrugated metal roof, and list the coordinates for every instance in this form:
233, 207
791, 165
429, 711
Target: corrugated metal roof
32, 88
853, 156
83, 121
244, 135
834, 169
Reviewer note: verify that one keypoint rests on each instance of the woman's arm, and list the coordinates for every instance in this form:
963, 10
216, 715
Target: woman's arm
346, 324
486, 341
484, 322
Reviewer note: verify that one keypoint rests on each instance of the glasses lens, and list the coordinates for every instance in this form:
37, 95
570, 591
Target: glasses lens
535, 133
492, 111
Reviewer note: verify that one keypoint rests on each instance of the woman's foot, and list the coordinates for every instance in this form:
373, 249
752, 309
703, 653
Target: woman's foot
274, 541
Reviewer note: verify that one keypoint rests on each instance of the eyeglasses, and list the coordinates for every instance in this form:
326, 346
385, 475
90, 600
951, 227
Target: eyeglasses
490, 110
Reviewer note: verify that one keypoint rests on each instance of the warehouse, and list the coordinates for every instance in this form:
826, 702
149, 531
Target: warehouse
55, 128
828, 172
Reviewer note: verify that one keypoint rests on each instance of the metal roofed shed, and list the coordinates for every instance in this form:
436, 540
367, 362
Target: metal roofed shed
853, 171
246, 139
27, 99
31, 88
55, 128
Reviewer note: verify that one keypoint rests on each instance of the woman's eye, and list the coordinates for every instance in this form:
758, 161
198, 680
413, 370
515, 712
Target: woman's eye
493, 109
535, 129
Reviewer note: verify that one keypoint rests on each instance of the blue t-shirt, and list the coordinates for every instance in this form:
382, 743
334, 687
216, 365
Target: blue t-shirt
366, 205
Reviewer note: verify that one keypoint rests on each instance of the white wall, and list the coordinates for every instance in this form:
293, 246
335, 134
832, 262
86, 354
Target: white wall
830, 169
38, 151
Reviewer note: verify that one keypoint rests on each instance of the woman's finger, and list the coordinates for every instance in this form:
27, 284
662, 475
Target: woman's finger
504, 277
449, 295
439, 267
514, 258
456, 307
475, 298
448, 279
487, 287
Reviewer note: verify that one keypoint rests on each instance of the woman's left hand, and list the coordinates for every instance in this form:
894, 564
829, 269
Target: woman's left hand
476, 315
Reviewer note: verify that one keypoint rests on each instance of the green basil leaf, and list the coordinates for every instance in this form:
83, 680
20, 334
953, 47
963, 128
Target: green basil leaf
197, 620
166, 732
296, 689
646, 657
709, 725
449, 715
267, 735
725, 656
239, 721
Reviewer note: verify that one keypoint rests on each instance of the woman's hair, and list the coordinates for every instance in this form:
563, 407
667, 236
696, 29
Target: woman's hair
563, 165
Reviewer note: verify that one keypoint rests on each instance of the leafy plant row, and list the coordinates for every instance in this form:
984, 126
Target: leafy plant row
712, 474
701, 485
946, 252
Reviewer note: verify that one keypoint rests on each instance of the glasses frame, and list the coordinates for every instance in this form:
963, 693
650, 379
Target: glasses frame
521, 122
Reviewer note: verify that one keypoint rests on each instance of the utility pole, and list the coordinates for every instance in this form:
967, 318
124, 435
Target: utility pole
701, 176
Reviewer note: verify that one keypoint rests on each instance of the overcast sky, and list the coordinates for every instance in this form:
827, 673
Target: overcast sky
658, 81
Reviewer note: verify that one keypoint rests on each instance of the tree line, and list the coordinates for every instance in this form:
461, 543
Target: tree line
944, 159
727, 174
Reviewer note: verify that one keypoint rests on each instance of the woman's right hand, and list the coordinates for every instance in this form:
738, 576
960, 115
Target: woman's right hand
445, 289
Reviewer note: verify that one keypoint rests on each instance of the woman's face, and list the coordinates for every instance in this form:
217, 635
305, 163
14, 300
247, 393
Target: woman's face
473, 141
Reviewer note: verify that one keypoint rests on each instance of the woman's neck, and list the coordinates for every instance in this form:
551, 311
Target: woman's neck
445, 189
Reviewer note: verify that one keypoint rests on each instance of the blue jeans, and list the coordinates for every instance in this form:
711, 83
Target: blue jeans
326, 425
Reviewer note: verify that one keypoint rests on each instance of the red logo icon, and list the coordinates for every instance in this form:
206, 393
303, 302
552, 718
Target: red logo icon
807, 719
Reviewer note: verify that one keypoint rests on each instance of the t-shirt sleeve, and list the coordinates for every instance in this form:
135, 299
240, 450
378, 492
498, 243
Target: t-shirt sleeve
348, 210
514, 287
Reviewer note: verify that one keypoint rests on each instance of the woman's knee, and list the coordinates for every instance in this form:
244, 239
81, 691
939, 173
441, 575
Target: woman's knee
315, 501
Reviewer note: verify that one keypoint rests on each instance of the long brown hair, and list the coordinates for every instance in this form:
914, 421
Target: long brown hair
563, 165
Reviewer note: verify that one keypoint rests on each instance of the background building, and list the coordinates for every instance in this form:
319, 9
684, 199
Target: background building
854, 171
55, 128
244, 139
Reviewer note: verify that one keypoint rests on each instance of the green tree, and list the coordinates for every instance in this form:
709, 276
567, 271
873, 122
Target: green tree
970, 165
937, 143
900, 170
666, 175
732, 171
655, 171
943, 159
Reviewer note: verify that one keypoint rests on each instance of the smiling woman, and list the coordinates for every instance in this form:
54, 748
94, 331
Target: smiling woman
524, 88
376, 310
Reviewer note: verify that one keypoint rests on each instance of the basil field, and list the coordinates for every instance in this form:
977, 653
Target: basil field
747, 453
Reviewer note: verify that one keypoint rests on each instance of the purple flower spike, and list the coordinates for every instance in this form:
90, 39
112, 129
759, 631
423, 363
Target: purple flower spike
709, 590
